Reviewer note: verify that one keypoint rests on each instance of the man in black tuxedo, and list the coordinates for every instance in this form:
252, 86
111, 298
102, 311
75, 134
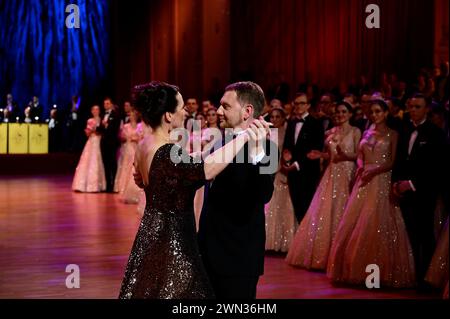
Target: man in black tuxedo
192, 109
303, 135
324, 111
36, 111
55, 131
74, 128
125, 116
109, 128
232, 223
417, 176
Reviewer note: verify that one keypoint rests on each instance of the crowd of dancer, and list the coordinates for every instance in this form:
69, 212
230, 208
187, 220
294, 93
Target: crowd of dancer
363, 178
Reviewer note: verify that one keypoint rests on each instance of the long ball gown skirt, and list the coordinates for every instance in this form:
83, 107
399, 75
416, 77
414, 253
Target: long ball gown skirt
124, 166
280, 218
126, 158
90, 173
312, 243
437, 274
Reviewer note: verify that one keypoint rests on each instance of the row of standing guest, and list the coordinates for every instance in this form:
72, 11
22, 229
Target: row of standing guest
351, 220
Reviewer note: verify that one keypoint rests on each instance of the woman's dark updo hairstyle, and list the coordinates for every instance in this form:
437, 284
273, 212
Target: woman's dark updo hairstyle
347, 106
381, 103
154, 99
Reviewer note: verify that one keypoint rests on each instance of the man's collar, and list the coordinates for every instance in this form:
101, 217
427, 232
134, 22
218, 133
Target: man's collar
421, 122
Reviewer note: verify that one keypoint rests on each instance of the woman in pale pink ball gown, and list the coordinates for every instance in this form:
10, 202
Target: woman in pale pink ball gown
280, 218
437, 274
145, 130
311, 246
372, 230
131, 193
130, 136
90, 173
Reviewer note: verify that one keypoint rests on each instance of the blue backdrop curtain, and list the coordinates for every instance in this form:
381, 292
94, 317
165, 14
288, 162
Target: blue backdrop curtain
40, 56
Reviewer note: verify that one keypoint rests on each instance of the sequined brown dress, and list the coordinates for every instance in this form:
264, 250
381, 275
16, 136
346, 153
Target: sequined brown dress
165, 262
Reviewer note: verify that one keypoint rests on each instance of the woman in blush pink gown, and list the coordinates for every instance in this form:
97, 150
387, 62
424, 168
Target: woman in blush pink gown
372, 230
312, 242
133, 190
131, 193
131, 136
90, 173
280, 218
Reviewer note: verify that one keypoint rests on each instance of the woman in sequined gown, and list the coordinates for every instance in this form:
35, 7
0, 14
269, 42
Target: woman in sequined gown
280, 218
165, 262
130, 134
437, 274
311, 246
90, 173
372, 230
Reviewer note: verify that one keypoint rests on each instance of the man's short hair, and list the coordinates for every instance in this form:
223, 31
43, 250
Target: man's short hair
249, 93
300, 94
422, 96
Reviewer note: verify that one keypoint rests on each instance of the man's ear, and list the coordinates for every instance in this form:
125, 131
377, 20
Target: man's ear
168, 117
248, 111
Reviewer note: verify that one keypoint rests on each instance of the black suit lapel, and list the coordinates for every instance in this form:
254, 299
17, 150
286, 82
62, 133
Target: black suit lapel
304, 131
290, 135
420, 139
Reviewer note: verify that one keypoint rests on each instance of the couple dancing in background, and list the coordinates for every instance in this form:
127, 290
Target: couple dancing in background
96, 169
167, 260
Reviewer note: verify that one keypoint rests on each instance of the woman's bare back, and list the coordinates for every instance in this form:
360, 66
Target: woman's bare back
144, 156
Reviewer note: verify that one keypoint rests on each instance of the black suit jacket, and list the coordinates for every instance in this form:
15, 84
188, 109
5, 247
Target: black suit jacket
362, 124
37, 111
110, 134
426, 164
311, 137
232, 223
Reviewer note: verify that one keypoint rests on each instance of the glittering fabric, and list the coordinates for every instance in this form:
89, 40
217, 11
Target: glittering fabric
280, 218
437, 273
90, 172
312, 242
372, 229
165, 262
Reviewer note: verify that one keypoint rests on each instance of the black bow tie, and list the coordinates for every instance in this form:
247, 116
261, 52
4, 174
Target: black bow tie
417, 127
